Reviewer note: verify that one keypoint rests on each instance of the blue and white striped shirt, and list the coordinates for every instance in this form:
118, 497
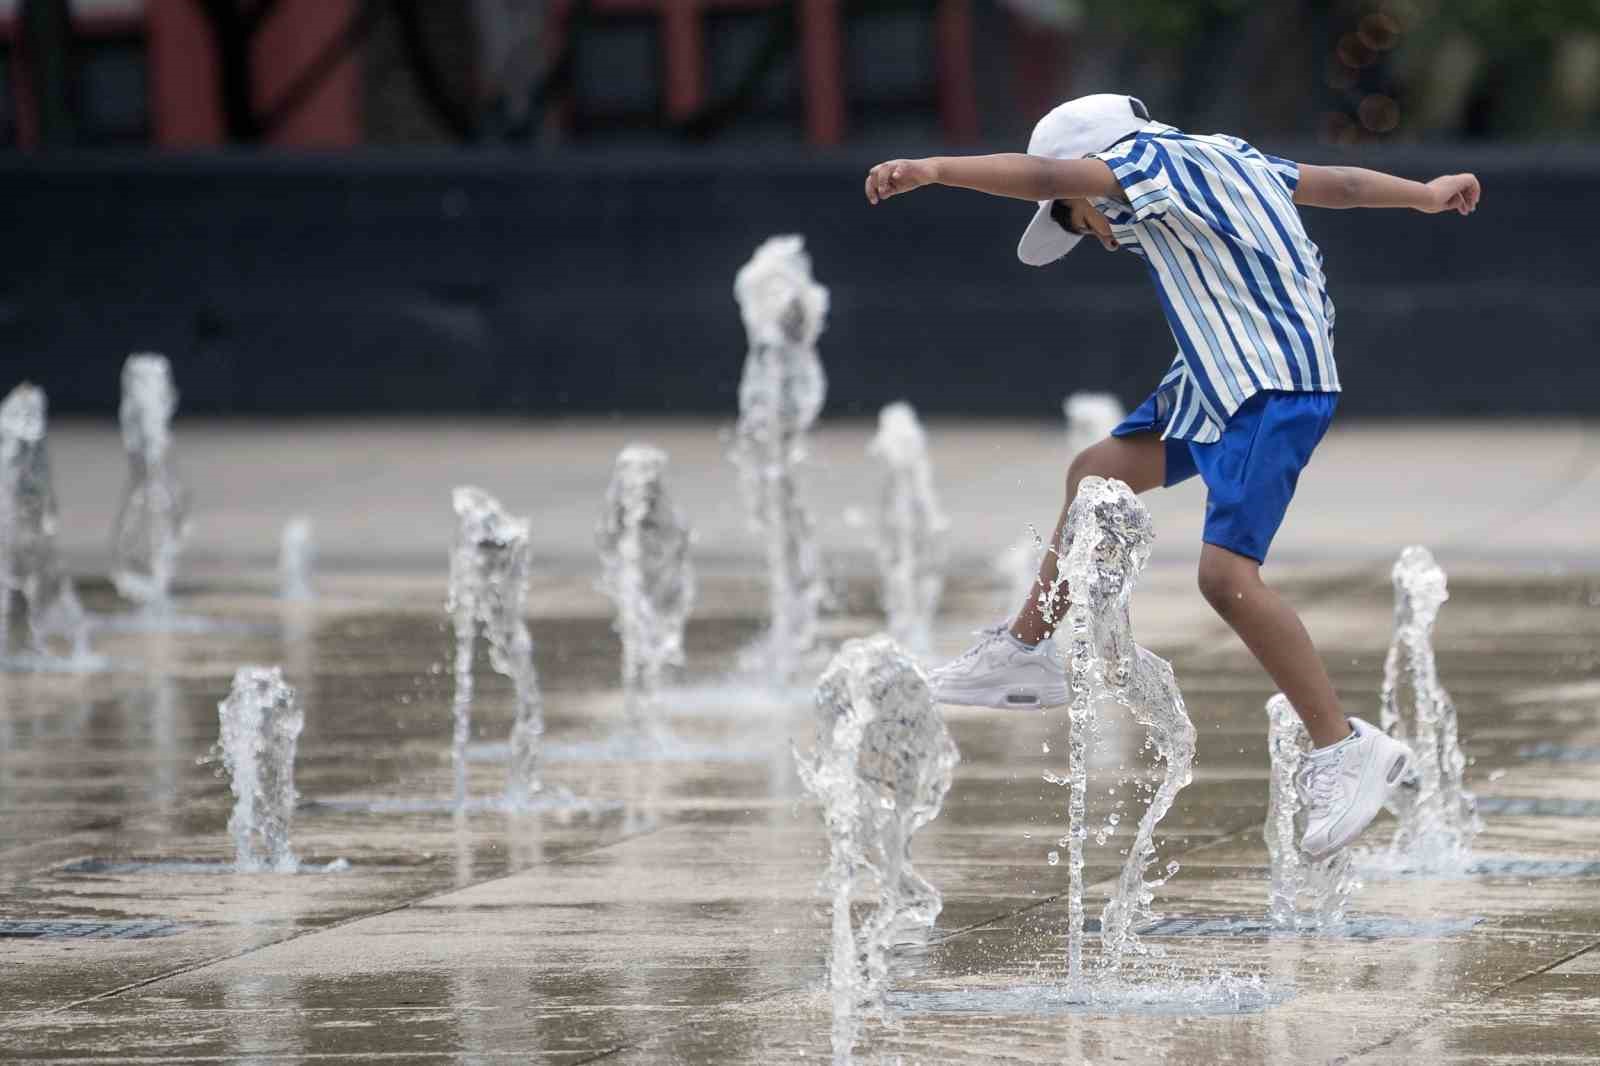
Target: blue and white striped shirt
1240, 281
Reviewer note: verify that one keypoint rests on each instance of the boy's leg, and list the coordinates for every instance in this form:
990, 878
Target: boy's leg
1141, 462
1345, 780
1008, 667
1273, 632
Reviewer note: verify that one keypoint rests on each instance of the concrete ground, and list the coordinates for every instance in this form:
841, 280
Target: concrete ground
677, 918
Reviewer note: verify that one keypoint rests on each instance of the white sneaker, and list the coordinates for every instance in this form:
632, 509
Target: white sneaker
1002, 672
1343, 787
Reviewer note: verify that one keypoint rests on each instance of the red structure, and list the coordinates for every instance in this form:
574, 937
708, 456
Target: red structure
184, 97
185, 109
183, 77
90, 27
822, 35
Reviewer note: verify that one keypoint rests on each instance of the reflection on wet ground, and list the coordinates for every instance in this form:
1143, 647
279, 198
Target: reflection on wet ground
674, 916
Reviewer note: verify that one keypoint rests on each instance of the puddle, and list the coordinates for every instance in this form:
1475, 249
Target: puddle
631, 749
1553, 752
561, 805
186, 866
1547, 807
1223, 994
72, 665
184, 624
1357, 927
1533, 868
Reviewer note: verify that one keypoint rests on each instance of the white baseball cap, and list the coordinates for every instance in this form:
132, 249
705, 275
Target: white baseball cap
1073, 130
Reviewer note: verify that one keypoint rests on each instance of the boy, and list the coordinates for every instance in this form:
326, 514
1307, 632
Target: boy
1244, 404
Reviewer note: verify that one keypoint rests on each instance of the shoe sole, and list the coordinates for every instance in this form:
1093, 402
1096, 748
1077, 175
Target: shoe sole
1021, 697
1395, 776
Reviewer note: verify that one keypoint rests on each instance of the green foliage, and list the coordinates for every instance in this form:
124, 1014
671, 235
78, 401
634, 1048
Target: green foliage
1496, 24
1516, 42
1510, 24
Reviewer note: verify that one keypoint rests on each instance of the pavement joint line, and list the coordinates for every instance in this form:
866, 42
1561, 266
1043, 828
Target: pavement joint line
303, 1057
1329, 591
743, 1004
1226, 836
340, 924
1223, 838
1455, 1008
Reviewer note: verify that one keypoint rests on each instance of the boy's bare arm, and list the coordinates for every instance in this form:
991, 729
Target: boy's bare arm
1340, 187
1022, 177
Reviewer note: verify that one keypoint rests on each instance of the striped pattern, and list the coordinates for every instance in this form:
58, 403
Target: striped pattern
1240, 281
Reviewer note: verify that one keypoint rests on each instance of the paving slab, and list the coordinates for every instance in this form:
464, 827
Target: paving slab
675, 916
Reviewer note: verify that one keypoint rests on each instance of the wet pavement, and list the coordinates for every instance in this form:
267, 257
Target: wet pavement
675, 917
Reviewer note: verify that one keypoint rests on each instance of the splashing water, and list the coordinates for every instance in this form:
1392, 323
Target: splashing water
297, 552
1091, 416
30, 566
1306, 894
261, 724
1439, 819
911, 528
1017, 567
882, 765
153, 519
780, 395
488, 589
644, 552
1107, 543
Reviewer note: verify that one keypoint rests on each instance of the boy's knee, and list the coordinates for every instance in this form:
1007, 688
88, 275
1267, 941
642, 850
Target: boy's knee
1223, 582
1087, 463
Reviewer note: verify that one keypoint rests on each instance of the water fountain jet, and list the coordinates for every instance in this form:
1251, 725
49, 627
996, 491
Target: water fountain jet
488, 591
261, 722
644, 552
1307, 894
297, 552
30, 566
880, 770
1438, 817
912, 528
1107, 542
153, 519
781, 393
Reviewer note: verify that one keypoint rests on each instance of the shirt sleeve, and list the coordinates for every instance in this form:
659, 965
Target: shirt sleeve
1140, 168
1285, 170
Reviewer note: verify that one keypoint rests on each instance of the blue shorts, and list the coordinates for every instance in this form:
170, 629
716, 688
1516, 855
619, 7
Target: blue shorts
1250, 474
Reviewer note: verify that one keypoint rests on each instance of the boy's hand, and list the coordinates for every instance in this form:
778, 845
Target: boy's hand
898, 176
1453, 192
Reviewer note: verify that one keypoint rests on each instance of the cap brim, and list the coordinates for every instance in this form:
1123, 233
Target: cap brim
1044, 241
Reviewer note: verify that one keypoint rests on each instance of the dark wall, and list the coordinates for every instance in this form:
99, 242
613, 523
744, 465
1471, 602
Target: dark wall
500, 283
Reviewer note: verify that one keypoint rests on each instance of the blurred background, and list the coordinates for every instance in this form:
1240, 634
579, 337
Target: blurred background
538, 206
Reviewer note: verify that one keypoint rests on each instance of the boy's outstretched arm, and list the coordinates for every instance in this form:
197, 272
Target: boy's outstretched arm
1022, 177
1354, 187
